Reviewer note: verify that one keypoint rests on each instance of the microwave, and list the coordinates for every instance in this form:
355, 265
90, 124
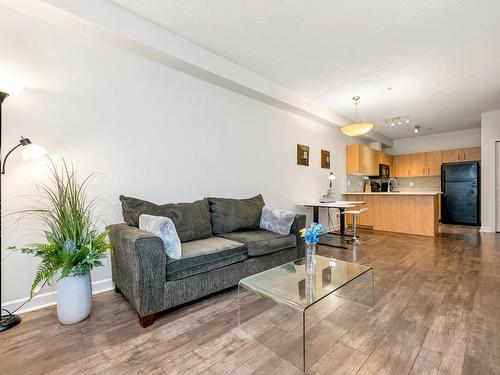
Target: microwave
384, 171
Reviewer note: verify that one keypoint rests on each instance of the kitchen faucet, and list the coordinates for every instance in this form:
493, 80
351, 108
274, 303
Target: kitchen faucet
389, 185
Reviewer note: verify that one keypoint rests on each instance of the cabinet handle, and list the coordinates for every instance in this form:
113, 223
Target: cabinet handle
458, 156
464, 156
428, 171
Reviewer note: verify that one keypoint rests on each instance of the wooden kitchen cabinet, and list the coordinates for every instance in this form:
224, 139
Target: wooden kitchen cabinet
402, 165
399, 212
386, 159
451, 156
471, 154
462, 154
366, 219
434, 160
418, 164
361, 160
369, 161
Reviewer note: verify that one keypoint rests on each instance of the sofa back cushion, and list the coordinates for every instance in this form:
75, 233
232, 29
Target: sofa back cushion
229, 215
191, 220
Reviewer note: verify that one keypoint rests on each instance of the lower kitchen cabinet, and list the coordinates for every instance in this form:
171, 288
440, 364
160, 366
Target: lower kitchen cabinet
399, 212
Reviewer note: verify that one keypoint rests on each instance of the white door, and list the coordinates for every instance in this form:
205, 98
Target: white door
497, 159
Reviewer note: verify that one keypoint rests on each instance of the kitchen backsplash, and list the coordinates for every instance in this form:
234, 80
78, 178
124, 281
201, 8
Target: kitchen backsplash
355, 183
420, 183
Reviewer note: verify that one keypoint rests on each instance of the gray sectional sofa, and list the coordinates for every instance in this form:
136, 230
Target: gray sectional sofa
221, 243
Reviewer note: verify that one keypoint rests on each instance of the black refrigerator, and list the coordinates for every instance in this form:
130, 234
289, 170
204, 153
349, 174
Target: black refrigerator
460, 187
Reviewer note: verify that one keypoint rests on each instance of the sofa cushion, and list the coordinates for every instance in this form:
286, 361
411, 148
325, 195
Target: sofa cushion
261, 241
164, 228
205, 255
277, 221
191, 220
229, 215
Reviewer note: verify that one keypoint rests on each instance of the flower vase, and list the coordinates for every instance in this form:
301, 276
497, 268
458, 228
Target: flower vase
74, 298
310, 258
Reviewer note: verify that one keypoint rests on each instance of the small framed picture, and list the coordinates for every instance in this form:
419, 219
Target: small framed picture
302, 155
325, 159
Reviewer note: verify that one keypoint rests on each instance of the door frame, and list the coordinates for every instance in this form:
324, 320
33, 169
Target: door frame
496, 164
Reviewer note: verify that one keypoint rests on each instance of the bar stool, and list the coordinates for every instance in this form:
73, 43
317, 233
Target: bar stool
333, 221
355, 214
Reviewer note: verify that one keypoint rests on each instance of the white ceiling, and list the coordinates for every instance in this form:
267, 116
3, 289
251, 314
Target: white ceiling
441, 58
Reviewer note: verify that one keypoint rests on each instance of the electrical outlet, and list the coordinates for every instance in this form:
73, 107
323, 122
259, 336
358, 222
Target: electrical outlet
411, 183
348, 183
360, 183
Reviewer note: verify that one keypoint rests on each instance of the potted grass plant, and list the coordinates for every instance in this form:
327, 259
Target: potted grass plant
73, 246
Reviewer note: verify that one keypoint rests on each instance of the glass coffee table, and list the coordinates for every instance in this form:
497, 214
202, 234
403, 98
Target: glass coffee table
294, 312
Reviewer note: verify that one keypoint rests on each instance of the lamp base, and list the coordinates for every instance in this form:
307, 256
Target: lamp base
9, 321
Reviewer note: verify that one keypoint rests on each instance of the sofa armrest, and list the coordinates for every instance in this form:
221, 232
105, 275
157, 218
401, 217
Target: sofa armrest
299, 222
139, 267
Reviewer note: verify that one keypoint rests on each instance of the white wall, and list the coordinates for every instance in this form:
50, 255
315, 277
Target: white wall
490, 133
434, 142
149, 131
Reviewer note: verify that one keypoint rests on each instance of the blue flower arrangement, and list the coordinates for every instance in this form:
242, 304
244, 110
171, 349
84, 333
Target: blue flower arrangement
311, 233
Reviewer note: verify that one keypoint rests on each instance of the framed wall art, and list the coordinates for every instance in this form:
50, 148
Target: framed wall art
325, 159
302, 155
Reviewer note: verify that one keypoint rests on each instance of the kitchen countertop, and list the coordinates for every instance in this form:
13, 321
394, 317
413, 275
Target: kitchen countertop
396, 193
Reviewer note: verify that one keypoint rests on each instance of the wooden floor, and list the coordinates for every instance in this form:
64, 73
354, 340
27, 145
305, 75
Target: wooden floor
437, 311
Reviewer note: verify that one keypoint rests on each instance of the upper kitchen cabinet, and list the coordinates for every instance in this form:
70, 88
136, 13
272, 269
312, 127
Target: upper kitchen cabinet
462, 154
434, 160
362, 160
402, 165
471, 154
418, 164
385, 159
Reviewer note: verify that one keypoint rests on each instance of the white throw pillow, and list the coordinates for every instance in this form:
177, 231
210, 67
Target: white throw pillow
164, 228
277, 221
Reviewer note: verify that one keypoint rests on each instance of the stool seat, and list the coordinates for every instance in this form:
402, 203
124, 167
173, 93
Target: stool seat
355, 212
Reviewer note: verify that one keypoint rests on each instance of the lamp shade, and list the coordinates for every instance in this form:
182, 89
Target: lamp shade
33, 151
9, 84
358, 126
356, 129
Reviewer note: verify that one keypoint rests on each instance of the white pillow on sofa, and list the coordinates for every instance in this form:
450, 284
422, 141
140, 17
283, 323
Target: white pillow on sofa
164, 228
277, 221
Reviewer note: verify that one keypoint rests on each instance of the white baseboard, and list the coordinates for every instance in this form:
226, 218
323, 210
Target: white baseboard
49, 298
486, 230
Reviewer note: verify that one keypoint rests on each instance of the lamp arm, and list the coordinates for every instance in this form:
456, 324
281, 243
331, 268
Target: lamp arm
6, 156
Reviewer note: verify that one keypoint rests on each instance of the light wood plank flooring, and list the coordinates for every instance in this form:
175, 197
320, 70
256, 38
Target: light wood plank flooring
437, 311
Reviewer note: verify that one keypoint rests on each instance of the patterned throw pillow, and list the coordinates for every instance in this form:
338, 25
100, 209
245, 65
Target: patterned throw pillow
277, 221
164, 228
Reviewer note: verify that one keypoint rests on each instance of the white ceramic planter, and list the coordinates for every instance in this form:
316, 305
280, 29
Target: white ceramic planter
74, 298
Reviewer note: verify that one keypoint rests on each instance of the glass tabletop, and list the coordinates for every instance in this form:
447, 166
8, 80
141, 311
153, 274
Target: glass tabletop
290, 284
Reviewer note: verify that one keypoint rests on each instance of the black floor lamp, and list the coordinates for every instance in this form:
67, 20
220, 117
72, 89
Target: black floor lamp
30, 151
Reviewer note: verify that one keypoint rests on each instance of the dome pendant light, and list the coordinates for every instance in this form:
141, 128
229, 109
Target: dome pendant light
358, 126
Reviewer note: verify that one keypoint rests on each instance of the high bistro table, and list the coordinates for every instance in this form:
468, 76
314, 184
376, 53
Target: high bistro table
339, 205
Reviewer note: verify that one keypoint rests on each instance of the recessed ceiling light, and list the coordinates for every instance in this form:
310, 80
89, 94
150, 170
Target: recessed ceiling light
417, 129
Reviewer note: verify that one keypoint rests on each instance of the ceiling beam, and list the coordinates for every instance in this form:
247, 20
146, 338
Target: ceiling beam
109, 23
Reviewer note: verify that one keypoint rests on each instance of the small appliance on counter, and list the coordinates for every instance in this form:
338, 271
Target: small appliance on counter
375, 186
367, 187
